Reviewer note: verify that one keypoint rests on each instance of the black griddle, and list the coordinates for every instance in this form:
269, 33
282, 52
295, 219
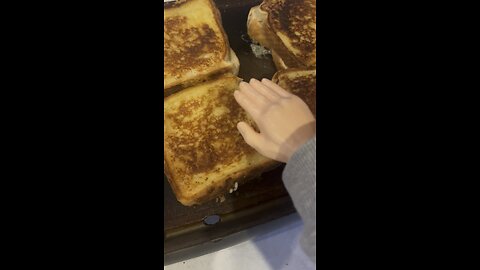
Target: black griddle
264, 199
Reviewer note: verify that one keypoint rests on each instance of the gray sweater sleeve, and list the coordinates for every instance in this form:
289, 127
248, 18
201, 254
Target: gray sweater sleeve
299, 178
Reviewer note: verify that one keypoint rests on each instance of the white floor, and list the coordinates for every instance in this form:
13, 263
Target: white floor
278, 249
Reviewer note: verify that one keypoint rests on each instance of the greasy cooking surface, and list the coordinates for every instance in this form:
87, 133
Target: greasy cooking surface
294, 21
234, 17
254, 193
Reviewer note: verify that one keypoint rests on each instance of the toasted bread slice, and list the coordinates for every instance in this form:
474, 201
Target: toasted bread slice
287, 28
204, 152
300, 82
278, 61
195, 44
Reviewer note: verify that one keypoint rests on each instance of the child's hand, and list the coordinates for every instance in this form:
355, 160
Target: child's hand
284, 120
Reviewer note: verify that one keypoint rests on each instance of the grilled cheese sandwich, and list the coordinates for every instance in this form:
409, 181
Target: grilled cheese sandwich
300, 82
195, 45
288, 29
205, 155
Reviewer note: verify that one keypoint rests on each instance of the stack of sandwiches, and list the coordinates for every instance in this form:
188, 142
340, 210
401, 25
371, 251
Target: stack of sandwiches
288, 29
205, 156
196, 48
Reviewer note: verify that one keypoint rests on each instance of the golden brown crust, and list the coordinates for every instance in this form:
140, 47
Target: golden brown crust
299, 82
260, 31
204, 152
296, 20
195, 45
278, 61
219, 188
234, 69
196, 81
287, 27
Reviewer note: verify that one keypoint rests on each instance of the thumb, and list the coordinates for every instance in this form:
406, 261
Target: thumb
250, 136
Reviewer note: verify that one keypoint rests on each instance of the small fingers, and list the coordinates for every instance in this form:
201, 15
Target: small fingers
250, 136
264, 90
257, 141
246, 104
252, 94
276, 88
